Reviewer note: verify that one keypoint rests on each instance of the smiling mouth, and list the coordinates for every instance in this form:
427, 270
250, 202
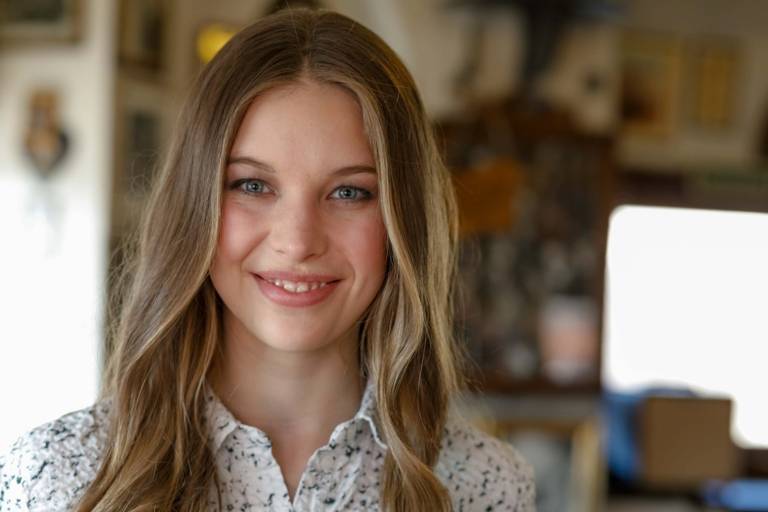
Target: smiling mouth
297, 287
296, 293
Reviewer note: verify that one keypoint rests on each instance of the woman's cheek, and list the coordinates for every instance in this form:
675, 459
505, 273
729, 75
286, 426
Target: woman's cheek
240, 228
369, 244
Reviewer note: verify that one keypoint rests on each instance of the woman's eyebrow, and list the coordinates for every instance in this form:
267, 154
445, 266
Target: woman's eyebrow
355, 169
251, 162
258, 164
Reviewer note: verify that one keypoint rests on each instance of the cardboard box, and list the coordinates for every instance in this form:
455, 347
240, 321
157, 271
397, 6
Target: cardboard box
686, 441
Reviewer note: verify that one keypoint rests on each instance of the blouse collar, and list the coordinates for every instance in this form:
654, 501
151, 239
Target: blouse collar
222, 422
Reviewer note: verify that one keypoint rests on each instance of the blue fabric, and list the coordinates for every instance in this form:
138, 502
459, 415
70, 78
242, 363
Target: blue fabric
619, 412
738, 495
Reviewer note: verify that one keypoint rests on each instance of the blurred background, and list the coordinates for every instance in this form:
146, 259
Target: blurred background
611, 163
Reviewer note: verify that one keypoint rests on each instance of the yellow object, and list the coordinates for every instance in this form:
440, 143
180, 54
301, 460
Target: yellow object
211, 38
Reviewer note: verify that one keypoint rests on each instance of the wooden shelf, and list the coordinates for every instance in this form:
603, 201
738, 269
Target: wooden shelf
540, 384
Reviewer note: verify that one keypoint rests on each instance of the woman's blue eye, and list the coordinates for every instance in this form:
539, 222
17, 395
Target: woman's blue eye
345, 192
349, 193
250, 186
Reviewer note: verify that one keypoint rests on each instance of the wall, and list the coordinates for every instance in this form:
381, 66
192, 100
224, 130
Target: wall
429, 38
432, 40
52, 275
744, 22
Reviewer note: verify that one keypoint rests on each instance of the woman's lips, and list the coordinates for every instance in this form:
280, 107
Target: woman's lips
316, 291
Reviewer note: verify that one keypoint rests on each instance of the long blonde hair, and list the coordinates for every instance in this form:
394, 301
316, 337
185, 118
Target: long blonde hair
169, 327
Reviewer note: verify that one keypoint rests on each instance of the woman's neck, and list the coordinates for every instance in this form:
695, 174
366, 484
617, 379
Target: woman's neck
289, 392
296, 398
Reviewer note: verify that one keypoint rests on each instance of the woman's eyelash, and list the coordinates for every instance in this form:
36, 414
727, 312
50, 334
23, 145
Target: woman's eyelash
352, 193
249, 186
349, 193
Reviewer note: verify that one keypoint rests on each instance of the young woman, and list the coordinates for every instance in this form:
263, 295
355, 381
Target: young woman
286, 339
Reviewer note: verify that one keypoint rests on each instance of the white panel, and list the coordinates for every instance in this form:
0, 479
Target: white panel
53, 266
686, 306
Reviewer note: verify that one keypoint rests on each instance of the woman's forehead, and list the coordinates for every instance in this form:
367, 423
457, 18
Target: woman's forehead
304, 123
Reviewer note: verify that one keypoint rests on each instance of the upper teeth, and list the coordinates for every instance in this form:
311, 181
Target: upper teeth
294, 286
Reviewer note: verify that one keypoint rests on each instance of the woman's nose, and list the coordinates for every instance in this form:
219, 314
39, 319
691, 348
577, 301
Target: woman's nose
297, 229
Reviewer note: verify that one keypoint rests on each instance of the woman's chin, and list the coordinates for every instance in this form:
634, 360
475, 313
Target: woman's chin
291, 339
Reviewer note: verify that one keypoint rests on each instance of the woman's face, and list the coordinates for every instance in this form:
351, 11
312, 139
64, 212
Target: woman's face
301, 251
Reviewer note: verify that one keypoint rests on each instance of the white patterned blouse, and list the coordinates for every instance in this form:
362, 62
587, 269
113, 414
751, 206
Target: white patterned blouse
49, 468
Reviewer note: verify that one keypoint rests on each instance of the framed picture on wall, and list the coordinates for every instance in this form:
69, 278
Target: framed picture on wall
715, 64
40, 21
142, 34
140, 134
651, 73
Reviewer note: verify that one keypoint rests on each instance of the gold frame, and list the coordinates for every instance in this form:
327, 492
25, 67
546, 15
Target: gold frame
651, 73
66, 29
715, 65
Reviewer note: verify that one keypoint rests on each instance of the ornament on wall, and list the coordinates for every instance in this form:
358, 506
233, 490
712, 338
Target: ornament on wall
45, 143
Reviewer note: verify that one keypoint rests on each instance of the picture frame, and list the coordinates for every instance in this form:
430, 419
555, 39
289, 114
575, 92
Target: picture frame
651, 74
565, 451
142, 35
142, 128
714, 68
25, 22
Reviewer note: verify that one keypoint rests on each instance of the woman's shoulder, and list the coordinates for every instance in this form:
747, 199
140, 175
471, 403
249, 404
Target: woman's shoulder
483, 472
50, 466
